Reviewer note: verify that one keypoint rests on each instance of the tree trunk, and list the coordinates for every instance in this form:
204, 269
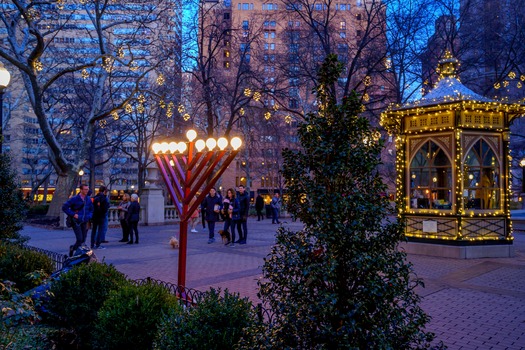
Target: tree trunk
63, 189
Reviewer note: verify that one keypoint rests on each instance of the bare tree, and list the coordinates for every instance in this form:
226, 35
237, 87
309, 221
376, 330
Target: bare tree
56, 46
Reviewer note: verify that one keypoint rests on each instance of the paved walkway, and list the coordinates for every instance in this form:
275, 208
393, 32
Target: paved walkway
474, 304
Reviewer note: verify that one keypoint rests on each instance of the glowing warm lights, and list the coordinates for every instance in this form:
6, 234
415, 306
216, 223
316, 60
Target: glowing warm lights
191, 135
181, 147
236, 143
222, 143
200, 145
211, 143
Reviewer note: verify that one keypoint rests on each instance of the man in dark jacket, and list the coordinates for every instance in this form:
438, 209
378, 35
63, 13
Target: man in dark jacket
259, 206
100, 218
244, 201
80, 209
212, 206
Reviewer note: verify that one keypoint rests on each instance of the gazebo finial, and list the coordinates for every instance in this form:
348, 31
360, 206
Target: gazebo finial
448, 66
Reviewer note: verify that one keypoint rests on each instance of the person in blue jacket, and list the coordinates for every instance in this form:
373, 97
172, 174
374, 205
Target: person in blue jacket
80, 209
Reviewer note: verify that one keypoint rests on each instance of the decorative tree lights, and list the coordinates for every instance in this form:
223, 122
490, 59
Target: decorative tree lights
452, 167
185, 167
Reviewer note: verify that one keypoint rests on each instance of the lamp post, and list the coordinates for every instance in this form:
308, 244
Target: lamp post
5, 78
522, 165
80, 174
184, 167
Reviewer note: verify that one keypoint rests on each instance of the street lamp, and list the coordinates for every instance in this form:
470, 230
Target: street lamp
522, 165
80, 173
184, 167
5, 78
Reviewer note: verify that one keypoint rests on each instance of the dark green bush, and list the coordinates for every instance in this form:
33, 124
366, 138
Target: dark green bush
13, 208
215, 323
40, 209
130, 316
79, 294
17, 263
339, 282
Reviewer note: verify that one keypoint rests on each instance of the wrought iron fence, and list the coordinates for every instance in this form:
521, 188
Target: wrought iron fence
188, 297
57, 258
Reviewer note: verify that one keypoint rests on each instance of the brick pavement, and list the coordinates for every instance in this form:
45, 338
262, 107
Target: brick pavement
474, 304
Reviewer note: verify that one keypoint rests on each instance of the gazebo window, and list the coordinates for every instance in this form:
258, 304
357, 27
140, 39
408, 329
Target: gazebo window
430, 178
481, 179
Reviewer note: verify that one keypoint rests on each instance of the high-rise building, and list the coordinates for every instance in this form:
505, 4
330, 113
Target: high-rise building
276, 48
134, 35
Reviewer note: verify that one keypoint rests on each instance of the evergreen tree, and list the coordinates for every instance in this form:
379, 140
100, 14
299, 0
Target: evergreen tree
12, 208
339, 282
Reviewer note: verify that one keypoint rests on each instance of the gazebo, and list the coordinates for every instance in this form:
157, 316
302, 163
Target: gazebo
452, 167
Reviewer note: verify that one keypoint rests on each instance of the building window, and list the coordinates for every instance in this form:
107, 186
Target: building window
342, 25
245, 25
227, 15
226, 53
481, 179
226, 64
359, 3
358, 16
342, 35
430, 178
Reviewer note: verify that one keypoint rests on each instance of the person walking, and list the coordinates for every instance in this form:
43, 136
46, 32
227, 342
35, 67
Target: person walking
228, 205
212, 207
100, 218
203, 213
276, 206
79, 209
133, 217
194, 218
122, 212
244, 209
259, 206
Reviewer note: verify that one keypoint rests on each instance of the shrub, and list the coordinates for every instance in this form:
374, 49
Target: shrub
17, 263
40, 209
18, 318
13, 208
130, 316
78, 295
215, 323
339, 282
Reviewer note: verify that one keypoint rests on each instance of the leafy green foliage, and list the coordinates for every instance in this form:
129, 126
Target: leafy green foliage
340, 282
18, 319
215, 323
17, 264
13, 208
78, 295
130, 316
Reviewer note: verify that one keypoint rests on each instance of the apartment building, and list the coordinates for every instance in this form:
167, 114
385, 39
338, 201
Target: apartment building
278, 48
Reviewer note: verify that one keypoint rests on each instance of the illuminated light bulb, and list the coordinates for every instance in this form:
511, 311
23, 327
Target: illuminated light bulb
191, 135
164, 147
222, 143
181, 147
173, 147
211, 143
200, 144
156, 147
236, 142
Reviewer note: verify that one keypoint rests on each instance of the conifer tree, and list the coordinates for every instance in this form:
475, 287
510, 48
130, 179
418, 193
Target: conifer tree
340, 282
12, 208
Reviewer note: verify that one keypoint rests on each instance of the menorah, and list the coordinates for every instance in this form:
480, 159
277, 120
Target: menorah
185, 167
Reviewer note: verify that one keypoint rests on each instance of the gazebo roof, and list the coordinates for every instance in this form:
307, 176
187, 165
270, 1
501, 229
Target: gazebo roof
448, 89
